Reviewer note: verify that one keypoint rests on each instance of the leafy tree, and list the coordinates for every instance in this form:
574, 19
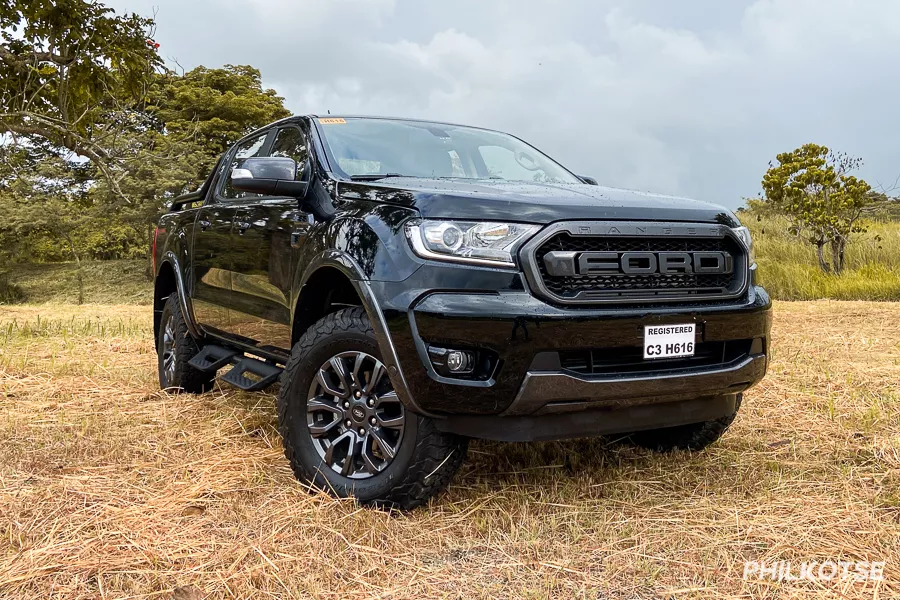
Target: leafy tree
96, 136
195, 117
882, 207
812, 186
43, 196
73, 75
215, 106
190, 119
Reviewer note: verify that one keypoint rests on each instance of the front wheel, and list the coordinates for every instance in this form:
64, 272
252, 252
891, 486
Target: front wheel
345, 430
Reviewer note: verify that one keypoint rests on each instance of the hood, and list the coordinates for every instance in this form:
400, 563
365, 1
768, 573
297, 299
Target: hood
497, 200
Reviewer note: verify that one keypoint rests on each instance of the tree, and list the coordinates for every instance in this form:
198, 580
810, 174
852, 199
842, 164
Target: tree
79, 82
73, 75
43, 196
215, 106
189, 121
812, 186
195, 117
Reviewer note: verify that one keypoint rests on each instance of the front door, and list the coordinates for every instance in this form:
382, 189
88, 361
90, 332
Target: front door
213, 251
262, 278
269, 233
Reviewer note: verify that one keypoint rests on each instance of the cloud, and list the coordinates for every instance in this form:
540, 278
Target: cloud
693, 101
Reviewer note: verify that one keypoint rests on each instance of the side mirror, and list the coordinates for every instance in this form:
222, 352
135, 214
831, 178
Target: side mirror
269, 176
588, 180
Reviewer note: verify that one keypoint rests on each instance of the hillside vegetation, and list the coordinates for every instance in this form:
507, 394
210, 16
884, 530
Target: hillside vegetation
788, 269
103, 282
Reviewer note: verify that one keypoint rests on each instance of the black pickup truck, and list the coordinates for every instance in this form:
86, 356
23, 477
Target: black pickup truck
412, 284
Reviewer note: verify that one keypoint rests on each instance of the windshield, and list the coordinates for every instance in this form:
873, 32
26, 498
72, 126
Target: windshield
358, 147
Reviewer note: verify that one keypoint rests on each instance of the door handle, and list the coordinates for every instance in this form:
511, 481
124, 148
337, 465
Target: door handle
204, 224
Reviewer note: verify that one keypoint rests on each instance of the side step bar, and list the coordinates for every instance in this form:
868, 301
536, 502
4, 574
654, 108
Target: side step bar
248, 374
212, 358
252, 375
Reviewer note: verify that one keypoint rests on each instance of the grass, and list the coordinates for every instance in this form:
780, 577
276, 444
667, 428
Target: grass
104, 282
789, 271
110, 488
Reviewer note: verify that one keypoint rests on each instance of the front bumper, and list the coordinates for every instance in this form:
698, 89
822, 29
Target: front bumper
521, 331
589, 423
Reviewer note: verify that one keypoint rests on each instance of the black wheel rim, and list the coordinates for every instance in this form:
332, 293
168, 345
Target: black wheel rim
168, 350
354, 416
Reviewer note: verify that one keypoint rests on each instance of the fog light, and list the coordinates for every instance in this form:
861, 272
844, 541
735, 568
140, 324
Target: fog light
454, 363
459, 361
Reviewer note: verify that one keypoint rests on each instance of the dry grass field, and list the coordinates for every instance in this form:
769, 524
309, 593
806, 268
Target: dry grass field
111, 489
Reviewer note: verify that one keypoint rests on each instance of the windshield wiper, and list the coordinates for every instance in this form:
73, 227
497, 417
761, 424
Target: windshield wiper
375, 176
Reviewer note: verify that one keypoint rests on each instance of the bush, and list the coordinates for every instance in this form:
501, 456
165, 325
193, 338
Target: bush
9, 292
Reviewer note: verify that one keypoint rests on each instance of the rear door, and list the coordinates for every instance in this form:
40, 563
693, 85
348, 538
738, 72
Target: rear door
270, 232
213, 250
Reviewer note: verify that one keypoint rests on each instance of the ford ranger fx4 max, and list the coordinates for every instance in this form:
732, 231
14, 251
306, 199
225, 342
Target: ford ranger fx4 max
410, 285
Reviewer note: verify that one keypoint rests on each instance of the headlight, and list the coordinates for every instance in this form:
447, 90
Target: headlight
491, 244
743, 234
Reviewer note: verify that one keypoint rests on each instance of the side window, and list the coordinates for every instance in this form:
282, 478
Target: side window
247, 149
290, 142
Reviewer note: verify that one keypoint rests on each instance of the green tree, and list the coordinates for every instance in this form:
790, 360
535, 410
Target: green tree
215, 107
43, 197
73, 75
79, 82
195, 118
190, 120
813, 187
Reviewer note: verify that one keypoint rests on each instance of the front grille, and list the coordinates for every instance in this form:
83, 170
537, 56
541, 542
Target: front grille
654, 287
630, 360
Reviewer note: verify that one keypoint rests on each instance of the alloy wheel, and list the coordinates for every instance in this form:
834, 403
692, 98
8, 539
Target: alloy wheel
168, 349
354, 417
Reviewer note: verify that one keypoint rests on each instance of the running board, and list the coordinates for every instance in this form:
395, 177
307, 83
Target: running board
252, 375
211, 358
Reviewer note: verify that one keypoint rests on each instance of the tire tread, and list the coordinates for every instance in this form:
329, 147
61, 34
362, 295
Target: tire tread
190, 379
436, 457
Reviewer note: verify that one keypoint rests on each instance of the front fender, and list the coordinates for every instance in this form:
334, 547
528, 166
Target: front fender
371, 235
345, 263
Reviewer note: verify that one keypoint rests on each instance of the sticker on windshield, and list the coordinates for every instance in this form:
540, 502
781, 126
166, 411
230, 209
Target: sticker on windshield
334, 121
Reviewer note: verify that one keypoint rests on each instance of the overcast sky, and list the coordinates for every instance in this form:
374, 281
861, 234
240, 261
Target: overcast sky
687, 97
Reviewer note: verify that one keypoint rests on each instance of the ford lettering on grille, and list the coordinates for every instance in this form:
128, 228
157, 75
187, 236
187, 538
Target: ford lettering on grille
574, 264
599, 262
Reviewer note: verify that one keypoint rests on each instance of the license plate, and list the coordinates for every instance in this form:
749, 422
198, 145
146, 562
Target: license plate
669, 341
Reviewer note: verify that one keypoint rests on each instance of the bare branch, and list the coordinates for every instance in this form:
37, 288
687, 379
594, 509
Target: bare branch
72, 141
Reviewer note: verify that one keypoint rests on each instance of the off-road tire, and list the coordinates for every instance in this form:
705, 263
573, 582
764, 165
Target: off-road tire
185, 378
426, 458
695, 436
